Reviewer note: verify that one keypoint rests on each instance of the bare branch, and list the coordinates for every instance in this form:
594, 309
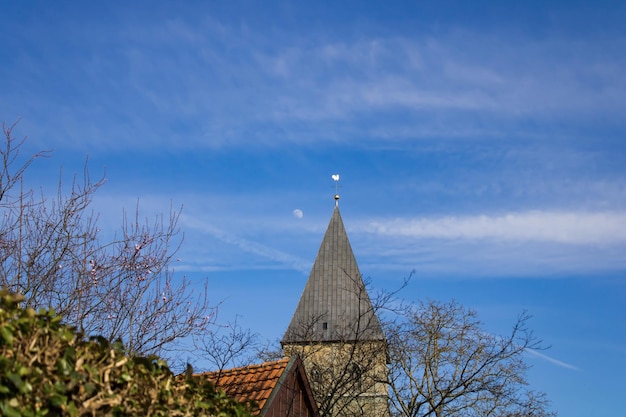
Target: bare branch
227, 346
52, 253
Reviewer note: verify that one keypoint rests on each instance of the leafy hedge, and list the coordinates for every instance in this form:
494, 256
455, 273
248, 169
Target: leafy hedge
47, 369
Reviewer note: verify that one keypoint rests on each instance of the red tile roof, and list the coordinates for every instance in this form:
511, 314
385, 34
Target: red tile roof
253, 383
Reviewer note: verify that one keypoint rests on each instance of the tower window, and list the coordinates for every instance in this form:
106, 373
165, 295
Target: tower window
316, 375
325, 325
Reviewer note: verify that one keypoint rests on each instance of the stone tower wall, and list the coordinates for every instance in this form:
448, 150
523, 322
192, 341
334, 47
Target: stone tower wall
348, 378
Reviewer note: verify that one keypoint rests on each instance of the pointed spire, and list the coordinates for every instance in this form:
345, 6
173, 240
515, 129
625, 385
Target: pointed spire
334, 305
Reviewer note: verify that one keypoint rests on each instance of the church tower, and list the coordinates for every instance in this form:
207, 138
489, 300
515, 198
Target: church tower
337, 334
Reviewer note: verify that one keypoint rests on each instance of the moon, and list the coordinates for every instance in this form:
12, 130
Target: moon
298, 214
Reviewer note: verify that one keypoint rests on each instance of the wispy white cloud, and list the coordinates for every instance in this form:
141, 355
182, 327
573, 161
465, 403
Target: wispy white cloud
560, 227
247, 245
513, 77
550, 359
225, 232
518, 244
199, 82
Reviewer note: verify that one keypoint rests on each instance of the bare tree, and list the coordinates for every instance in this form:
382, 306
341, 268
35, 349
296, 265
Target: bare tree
51, 252
226, 346
442, 363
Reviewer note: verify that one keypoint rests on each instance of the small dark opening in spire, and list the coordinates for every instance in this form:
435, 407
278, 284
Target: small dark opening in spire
325, 326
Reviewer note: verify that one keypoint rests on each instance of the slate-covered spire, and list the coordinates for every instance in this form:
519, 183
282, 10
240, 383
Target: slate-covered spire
334, 305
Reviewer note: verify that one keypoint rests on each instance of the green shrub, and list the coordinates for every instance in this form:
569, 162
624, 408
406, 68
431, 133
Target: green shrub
47, 369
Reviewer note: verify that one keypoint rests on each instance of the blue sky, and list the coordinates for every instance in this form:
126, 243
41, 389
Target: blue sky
480, 144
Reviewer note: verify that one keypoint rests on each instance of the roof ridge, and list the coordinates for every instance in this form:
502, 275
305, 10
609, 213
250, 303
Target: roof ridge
246, 369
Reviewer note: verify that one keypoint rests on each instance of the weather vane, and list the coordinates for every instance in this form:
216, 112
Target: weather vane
335, 178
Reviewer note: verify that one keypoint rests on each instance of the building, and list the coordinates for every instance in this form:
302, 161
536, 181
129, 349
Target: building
337, 334
274, 389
